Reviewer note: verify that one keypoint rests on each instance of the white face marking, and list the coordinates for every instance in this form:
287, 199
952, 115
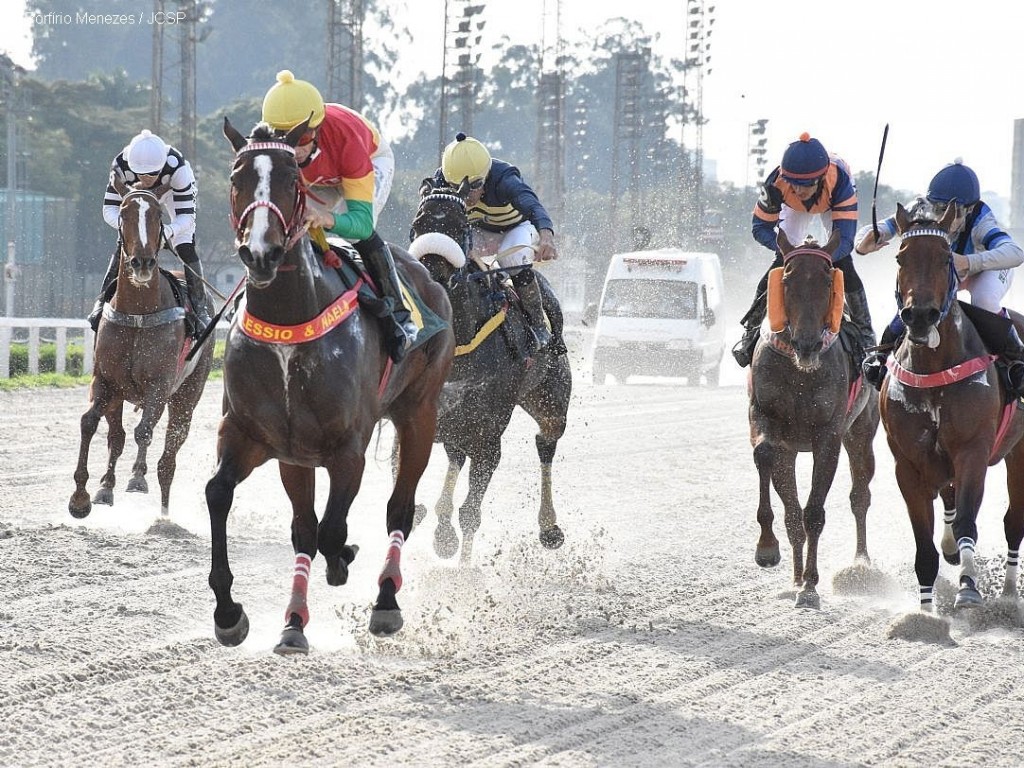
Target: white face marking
261, 215
143, 208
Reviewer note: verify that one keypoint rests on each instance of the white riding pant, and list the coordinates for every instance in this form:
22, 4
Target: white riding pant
512, 245
799, 224
988, 288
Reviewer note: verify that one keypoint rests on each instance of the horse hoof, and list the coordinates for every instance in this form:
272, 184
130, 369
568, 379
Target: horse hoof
80, 506
953, 558
137, 485
446, 542
808, 599
385, 622
337, 571
419, 515
967, 596
233, 636
552, 538
767, 557
293, 641
104, 496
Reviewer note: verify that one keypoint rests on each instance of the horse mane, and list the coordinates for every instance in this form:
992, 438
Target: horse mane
263, 132
922, 213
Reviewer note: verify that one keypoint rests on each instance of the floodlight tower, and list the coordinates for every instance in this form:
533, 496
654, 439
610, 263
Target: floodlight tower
345, 52
630, 68
549, 155
699, 21
462, 35
756, 150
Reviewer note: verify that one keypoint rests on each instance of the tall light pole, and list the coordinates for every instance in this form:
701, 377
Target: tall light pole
345, 52
462, 35
699, 20
756, 149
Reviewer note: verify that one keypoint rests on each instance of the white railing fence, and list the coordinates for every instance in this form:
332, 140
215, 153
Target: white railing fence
36, 331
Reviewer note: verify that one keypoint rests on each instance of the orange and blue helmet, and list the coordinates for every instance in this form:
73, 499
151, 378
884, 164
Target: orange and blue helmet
804, 162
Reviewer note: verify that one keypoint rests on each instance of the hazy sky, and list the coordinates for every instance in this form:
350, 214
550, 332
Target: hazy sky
943, 74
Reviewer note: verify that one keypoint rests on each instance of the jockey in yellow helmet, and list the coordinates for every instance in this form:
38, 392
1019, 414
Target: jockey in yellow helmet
348, 168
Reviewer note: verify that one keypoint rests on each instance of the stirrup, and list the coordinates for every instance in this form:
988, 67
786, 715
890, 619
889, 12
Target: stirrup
874, 368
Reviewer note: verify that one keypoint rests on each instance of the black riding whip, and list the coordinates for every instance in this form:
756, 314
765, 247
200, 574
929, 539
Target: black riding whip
874, 196
213, 322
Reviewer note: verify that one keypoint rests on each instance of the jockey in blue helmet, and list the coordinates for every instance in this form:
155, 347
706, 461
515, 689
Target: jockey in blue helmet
984, 257
809, 185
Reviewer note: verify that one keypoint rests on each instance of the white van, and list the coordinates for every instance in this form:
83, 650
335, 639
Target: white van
660, 315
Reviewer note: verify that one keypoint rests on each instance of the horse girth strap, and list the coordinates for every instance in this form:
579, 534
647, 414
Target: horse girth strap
485, 330
151, 320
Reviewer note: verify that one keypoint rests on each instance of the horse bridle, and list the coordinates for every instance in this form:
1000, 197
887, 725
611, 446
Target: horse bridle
953, 280
293, 228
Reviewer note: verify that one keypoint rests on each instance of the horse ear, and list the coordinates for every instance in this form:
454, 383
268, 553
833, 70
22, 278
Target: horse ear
426, 186
833, 242
783, 242
464, 188
947, 218
231, 134
293, 136
902, 219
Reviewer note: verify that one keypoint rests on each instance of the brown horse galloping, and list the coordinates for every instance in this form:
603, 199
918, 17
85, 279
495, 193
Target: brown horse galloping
140, 358
306, 380
945, 413
803, 397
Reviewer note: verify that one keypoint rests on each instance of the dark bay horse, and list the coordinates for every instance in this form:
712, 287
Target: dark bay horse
141, 344
804, 397
306, 381
490, 375
946, 413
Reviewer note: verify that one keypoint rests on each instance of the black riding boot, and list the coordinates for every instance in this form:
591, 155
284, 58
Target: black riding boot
1001, 338
381, 264
194, 280
106, 292
197, 294
743, 351
857, 301
873, 367
1013, 353
526, 285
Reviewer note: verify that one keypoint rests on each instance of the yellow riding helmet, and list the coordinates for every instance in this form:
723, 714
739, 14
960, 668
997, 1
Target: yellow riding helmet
465, 158
290, 101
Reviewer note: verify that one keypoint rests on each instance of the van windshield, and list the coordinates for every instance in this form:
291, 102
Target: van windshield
660, 299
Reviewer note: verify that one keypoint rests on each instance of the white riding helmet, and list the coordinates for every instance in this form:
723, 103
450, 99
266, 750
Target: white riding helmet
146, 153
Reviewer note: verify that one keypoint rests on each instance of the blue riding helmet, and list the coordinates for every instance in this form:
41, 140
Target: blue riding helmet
804, 161
955, 182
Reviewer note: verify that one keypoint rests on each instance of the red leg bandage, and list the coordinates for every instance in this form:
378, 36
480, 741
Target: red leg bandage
393, 561
300, 582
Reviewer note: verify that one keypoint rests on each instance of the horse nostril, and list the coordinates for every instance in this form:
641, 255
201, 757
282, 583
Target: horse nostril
276, 255
136, 262
245, 255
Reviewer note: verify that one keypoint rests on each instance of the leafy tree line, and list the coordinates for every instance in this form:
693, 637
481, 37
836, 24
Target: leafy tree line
91, 93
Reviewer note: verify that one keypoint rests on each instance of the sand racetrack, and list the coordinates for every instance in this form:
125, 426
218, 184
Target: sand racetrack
651, 638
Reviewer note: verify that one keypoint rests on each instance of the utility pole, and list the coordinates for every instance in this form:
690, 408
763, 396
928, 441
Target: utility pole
156, 92
10, 215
